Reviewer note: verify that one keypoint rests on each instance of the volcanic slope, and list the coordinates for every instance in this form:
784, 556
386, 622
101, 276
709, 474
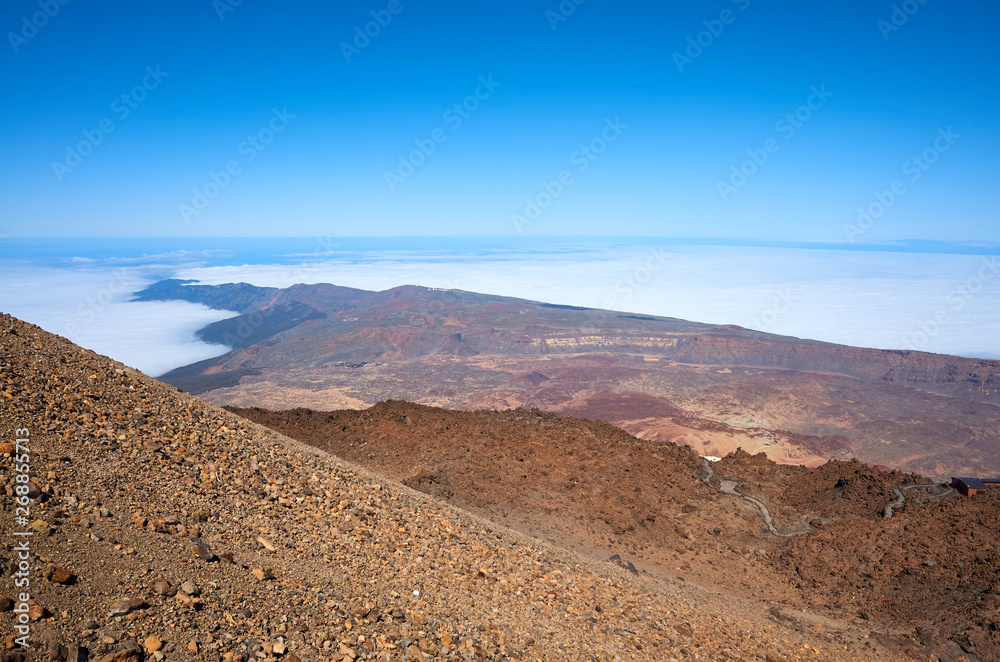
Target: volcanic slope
714, 388
659, 509
163, 525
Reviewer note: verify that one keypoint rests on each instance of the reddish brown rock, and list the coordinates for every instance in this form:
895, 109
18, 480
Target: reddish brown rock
124, 655
123, 606
37, 612
59, 576
161, 587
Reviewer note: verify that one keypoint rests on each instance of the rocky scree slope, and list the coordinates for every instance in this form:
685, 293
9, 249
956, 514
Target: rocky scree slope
658, 509
167, 528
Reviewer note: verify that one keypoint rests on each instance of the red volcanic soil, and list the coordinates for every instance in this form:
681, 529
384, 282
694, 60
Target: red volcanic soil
655, 508
801, 401
833, 491
532, 379
621, 406
936, 567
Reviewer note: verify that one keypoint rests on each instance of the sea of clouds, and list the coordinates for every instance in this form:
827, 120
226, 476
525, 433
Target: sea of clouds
940, 303
91, 306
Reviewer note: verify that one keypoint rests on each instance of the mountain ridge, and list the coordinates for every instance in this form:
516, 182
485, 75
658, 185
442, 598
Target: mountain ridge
326, 347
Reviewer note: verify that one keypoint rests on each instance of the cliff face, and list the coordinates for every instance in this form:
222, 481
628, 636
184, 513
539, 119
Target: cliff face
801, 401
944, 374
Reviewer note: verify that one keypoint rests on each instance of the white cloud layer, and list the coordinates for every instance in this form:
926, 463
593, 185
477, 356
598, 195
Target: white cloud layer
91, 307
939, 303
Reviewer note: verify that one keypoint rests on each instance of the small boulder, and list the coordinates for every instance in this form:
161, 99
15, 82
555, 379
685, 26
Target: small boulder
76, 653
152, 644
125, 655
187, 600
56, 651
59, 576
124, 606
160, 586
37, 612
203, 550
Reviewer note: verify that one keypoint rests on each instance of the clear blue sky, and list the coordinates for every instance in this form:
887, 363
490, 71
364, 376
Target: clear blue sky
324, 172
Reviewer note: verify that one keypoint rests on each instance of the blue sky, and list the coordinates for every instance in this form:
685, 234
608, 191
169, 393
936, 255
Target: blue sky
588, 119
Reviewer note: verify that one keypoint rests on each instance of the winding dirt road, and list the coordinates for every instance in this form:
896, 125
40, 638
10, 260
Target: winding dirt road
900, 499
732, 487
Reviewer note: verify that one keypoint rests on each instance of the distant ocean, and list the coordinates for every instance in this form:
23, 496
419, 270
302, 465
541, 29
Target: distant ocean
934, 297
